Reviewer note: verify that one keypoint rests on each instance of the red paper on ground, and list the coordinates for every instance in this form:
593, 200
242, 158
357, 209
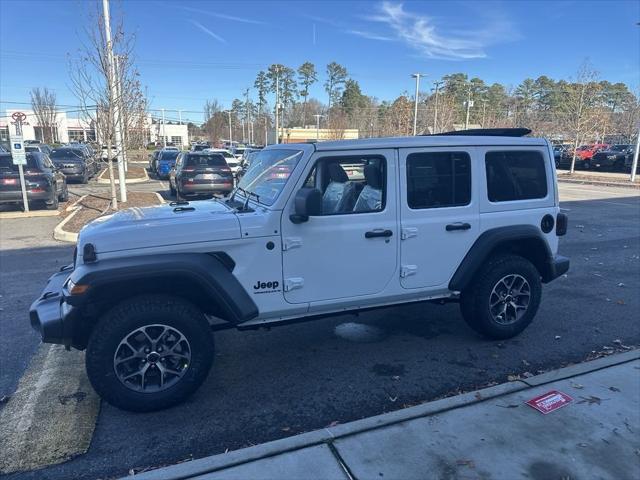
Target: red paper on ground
550, 401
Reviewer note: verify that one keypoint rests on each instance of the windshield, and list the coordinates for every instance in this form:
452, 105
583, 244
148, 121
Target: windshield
269, 172
205, 161
169, 155
66, 153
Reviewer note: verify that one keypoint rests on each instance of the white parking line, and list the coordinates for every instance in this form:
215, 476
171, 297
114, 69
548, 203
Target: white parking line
51, 416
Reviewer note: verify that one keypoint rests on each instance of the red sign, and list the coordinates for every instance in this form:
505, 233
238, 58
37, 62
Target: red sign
19, 116
550, 401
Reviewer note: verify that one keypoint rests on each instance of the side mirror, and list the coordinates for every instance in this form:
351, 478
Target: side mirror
307, 203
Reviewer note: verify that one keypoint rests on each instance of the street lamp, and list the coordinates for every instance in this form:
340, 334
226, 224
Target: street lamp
415, 107
230, 134
318, 117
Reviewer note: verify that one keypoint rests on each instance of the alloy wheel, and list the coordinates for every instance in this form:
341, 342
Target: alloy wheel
152, 358
509, 299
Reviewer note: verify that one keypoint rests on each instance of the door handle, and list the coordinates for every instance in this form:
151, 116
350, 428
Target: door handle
457, 226
378, 233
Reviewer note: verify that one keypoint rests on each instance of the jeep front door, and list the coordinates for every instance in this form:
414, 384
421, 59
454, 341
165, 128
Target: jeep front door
351, 249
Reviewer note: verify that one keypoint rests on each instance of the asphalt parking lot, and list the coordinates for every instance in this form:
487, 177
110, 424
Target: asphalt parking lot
271, 384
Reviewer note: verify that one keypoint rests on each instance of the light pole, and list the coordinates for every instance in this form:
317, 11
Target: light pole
415, 107
230, 135
164, 136
435, 112
634, 164
318, 126
484, 109
466, 121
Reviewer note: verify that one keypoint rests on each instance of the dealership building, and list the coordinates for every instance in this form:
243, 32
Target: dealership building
78, 130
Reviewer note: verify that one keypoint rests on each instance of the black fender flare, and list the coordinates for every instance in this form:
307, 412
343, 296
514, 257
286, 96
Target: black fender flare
515, 236
212, 273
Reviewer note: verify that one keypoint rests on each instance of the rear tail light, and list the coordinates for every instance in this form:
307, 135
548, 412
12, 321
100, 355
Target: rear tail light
36, 190
562, 222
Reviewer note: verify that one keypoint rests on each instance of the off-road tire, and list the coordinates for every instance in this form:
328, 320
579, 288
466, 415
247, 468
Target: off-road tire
474, 302
137, 312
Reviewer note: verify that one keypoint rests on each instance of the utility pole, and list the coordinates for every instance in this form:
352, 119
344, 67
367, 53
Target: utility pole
164, 134
122, 150
318, 126
634, 164
466, 121
435, 112
180, 116
112, 74
415, 107
484, 109
230, 134
277, 103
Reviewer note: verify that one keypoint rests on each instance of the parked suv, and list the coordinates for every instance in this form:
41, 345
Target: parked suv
44, 182
612, 158
74, 163
472, 219
200, 173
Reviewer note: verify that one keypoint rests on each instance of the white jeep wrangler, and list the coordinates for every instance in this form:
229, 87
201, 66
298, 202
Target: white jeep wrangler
312, 230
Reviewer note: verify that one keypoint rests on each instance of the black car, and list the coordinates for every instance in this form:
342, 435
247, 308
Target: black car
197, 174
74, 163
44, 182
612, 159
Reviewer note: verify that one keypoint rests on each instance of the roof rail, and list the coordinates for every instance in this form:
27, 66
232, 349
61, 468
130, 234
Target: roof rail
488, 132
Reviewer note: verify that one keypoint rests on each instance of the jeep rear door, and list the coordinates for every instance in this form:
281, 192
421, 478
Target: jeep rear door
439, 213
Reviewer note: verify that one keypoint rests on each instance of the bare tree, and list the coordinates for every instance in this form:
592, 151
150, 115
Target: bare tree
580, 101
89, 73
43, 103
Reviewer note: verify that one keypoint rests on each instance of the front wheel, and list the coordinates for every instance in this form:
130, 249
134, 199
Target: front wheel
503, 297
149, 353
53, 203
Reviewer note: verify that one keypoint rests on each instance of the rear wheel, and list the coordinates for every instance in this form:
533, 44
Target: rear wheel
149, 352
503, 297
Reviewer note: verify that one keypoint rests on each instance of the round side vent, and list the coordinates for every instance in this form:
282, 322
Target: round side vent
547, 223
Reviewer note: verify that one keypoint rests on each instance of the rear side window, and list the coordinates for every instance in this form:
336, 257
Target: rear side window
205, 161
515, 175
438, 179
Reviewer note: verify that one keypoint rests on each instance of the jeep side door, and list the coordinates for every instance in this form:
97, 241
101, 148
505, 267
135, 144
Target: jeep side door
350, 250
439, 213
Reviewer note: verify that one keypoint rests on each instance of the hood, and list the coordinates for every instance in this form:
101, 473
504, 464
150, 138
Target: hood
161, 225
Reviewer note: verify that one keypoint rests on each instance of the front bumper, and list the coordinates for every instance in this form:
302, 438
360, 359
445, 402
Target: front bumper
50, 315
558, 266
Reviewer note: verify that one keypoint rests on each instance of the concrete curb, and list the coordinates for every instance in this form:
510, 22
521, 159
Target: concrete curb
598, 182
59, 233
29, 214
327, 435
128, 182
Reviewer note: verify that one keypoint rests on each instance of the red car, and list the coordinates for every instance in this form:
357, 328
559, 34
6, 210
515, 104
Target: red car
585, 152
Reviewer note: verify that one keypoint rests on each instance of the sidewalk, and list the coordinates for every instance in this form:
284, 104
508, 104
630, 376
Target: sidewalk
488, 434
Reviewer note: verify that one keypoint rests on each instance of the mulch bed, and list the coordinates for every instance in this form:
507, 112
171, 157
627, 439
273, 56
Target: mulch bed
133, 172
94, 206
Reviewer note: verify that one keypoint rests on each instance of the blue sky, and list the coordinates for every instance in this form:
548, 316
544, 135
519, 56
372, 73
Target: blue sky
190, 51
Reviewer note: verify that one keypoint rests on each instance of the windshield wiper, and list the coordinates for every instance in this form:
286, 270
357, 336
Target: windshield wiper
247, 195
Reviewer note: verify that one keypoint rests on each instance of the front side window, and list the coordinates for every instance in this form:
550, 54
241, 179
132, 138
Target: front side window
438, 179
350, 184
269, 172
515, 175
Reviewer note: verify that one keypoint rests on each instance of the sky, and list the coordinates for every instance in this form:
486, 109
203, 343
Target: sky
191, 51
